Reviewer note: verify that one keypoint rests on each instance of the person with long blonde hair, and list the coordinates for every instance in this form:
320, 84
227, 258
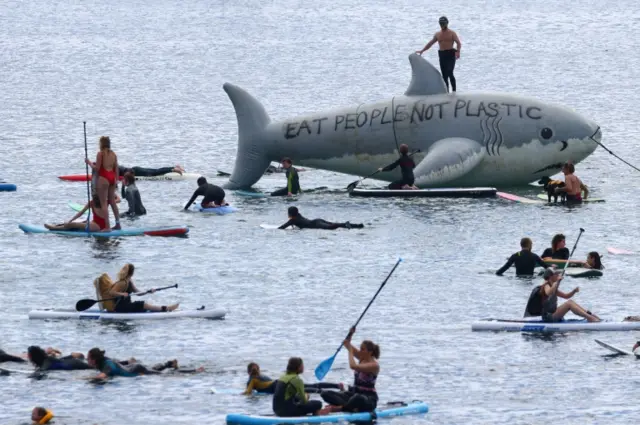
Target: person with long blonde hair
106, 166
124, 287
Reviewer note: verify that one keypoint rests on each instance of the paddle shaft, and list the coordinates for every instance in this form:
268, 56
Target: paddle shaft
143, 293
86, 166
357, 182
575, 245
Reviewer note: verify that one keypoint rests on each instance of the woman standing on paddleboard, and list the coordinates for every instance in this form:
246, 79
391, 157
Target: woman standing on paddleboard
108, 176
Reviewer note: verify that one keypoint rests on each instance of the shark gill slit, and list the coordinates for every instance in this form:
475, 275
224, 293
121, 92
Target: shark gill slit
494, 135
485, 136
498, 132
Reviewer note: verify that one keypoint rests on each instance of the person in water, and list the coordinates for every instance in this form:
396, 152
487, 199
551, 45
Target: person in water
131, 193
549, 292
296, 219
124, 287
6, 357
41, 416
593, 261
99, 223
558, 250
525, 260
213, 195
446, 53
151, 172
265, 385
362, 396
406, 167
107, 182
289, 397
293, 181
44, 361
572, 185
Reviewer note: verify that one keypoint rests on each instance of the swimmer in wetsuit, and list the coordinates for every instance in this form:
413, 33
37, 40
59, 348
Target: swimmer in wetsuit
6, 357
213, 195
525, 260
446, 53
296, 219
293, 181
558, 250
46, 361
265, 385
406, 167
151, 172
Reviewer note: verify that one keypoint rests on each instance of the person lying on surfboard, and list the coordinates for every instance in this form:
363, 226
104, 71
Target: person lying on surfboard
525, 260
265, 385
97, 224
406, 167
44, 360
152, 172
293, 181
558, 250
131, 193
296, 219
572, 185
289, 397
213, 195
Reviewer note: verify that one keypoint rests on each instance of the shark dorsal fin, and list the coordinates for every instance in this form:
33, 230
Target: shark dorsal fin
425, 78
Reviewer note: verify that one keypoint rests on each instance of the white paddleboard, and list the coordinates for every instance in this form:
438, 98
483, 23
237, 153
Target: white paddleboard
545, 197
615, 349
274, 226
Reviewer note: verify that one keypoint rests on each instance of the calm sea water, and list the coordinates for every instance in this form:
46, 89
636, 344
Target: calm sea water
150, 73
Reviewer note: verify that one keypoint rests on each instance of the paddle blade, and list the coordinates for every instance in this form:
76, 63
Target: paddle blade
83, 305
324, 368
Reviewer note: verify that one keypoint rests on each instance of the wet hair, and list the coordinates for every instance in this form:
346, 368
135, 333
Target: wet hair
569, 167
251, 366
443, 20
37, 355
294, 365
97, 355
126, 271
129, 177
41, 412
556, 240
597, 263
374, 349
105, 143
525, 243
403, 149
201, 181
293, 212
286, 160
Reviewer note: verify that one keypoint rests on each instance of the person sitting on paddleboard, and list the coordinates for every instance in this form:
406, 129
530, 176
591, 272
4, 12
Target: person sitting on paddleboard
296, 219
289, 397
265, 385
525, 260
41, 416
406, 167
549, 294
293, 181
122, 289
362, 396
97, 224
558, 250
213, 195
572, 185
593, 261
131, 193
44, 361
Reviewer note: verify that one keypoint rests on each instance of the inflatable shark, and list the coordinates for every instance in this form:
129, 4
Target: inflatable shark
465, 139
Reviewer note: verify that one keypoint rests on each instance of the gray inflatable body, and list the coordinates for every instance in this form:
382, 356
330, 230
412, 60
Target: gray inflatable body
466, 139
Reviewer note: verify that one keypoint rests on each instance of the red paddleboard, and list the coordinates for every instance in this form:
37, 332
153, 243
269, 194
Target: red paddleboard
618, 251
178, 231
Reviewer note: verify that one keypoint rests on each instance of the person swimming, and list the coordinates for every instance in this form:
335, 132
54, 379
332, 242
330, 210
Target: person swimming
131, 193
213, 195
296, 219
44, 361
41, 416
406, 168
524, 260
293, 181
124, 287
558, 250
97, 224
593, 261
265, 385
289, 398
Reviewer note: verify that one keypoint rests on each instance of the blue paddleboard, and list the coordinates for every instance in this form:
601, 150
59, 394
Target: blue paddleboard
148, 231
249, 194
8, 187
219, 210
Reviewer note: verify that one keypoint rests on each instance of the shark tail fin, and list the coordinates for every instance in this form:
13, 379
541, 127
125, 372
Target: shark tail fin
252, 158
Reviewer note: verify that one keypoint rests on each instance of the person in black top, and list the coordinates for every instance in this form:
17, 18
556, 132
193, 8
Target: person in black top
293, 182
525, 260
406, 167
558, 250
131, 193
296, 219
213, 195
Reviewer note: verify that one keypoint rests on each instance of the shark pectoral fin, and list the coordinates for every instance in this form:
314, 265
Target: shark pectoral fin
447, 160
425, 78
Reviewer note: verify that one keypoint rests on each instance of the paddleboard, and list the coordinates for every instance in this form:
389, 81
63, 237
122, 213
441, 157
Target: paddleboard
516, 198
219, 210
470, 192
617, 251
148, 231
94, 314
546, 198
580, 272
250, 194
414, 408
8, 187
233, 391
274, 226
532, 325
163, 177
561, 263
616, 349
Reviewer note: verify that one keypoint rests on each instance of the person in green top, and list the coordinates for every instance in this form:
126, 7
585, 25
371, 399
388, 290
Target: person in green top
293, 182
289, 398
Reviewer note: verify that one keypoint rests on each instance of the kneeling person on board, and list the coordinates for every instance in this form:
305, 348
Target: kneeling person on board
296, 219
265, 385
45, 361
213, 195
558, 250
41, 416
293, 181
98, 223
525, 260
572, 185
122, 289
289, 397
406, 167
131, 193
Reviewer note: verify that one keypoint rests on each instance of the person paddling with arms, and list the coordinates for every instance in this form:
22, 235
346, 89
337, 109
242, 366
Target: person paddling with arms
213, 195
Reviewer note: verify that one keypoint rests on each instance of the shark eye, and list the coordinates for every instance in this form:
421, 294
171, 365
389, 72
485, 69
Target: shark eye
546, 133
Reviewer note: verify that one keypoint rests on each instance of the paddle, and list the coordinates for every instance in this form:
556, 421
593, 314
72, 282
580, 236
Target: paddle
86, 166
353, 185
324, 367
85, 304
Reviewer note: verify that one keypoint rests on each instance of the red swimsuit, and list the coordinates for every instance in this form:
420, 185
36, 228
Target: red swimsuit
98, 220
110, 176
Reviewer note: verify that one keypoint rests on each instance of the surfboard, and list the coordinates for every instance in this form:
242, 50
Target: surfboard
546, 198
274, 226
8, 187
580, 272
163, 177
516, 198
150, 231
227, 209
617, 251
615, 349
233, 391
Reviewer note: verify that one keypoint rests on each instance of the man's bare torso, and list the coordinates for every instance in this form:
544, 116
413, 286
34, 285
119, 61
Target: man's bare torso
445, 39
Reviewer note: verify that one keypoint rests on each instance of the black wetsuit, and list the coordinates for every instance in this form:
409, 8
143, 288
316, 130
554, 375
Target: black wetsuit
525, 262
64, 363
549, 306
361, 397
304, 223
132, 195
447, 64
293, 183
561, 254
146, 172
125, 305
211, 193
5, 357
406, 167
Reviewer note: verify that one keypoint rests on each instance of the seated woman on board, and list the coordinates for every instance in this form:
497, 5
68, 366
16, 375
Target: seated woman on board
265, 385
289, 397
97, 224
406, 167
